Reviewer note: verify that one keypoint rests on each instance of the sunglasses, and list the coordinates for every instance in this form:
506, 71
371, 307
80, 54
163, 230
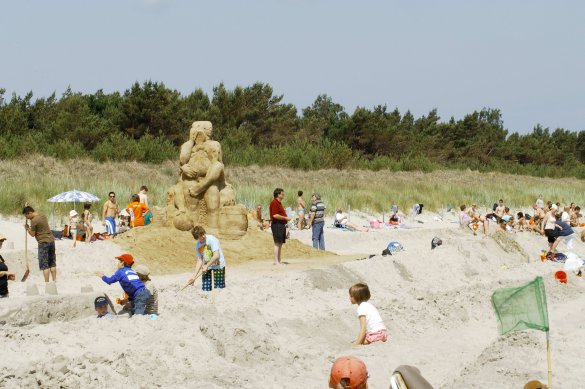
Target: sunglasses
112, 196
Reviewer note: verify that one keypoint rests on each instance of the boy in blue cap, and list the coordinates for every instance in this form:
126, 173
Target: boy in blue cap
101, 307
130, 283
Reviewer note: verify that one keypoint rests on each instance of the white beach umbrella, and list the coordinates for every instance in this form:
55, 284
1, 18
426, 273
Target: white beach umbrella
72, 196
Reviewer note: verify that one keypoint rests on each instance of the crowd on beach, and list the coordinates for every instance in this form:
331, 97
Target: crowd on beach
552, 220
141, 296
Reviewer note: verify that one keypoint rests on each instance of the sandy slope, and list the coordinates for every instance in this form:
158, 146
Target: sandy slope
282, 327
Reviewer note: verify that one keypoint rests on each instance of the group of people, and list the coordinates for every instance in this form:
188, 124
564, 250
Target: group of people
549, 219
312, 217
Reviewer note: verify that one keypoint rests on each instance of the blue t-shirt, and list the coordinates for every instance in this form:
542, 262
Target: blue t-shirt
205, 251
128, 279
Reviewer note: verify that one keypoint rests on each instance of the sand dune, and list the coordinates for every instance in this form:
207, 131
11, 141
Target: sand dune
282, 327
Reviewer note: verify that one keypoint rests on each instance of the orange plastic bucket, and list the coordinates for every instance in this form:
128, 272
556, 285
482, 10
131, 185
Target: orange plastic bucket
561, 276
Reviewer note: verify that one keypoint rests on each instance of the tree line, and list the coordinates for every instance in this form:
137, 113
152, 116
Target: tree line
256, 126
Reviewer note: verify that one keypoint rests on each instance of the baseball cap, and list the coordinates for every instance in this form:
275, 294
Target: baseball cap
100, 301
2, 237
72, 213
126, 258
142, 269
350, 368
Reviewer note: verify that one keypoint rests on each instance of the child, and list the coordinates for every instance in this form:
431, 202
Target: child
372, 328
152, 305
209, 259
101, 307
521, 222
130, 283
348, 372
73, 225
88, 228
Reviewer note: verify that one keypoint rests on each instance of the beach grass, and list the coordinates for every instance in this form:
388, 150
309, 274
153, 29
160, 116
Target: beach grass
37, 178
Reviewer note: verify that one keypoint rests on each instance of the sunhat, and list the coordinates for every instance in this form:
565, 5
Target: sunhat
142, 269
2, 237
126, 258
350, 368
72, 213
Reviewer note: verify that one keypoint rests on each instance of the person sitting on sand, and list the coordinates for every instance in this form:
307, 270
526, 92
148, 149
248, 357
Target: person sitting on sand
210, 260
520, 221
500, 209
477, 219
574, 216
130, 283
537, 218
5, 275
342, 221
152, 305
137, 210
257, 215
101, 307
465, 220
372, 328
348, 372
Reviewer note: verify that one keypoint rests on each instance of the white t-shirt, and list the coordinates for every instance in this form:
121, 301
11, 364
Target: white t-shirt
205, 251
373, 319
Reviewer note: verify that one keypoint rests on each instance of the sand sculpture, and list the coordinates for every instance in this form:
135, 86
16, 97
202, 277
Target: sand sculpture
201, 195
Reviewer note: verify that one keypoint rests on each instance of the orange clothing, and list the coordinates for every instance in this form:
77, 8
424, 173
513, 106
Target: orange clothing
139, 210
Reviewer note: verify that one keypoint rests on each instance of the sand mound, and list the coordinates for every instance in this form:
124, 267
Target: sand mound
167, 250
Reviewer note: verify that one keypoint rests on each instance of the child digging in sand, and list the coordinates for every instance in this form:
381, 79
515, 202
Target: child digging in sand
209, 259
130, 283
372, 328
101, 307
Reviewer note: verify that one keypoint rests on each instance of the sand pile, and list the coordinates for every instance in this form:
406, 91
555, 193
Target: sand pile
168, 250
282, 327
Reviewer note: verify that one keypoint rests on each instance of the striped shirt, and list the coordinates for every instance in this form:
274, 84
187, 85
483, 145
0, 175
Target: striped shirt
319, 209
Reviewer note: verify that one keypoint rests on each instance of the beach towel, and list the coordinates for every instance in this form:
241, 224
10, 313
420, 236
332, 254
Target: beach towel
110, 226
556, 257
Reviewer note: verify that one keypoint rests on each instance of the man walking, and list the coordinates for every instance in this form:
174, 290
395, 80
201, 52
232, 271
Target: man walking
317, 221
109, 213
40, 230
279, 219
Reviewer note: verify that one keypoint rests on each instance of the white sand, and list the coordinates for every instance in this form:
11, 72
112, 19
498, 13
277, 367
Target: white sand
282, 327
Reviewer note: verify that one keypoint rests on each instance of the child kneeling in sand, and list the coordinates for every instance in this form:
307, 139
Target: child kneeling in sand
209, 259
101, 307
372, 328
130, 283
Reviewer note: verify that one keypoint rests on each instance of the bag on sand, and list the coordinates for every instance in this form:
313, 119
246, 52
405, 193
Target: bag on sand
556, 257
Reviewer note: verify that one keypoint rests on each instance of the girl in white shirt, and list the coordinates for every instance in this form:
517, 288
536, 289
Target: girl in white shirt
372, 328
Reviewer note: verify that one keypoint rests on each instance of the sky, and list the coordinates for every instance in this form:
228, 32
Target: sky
524, 57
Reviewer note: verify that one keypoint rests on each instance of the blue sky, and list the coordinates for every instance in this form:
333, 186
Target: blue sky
524, 57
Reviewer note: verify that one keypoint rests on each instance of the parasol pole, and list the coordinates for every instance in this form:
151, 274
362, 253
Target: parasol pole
548, 360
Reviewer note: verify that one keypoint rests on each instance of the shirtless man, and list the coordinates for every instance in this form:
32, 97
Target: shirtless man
477, 218
109, 214
500, 209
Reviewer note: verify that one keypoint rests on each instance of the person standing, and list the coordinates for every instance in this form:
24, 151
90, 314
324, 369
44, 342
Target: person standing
301, 210
540, 201
317, 221
137, 211
210, 260
279, 219
109, 213
40, 230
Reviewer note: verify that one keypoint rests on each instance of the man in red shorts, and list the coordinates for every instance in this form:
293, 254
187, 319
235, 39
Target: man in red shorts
279, 219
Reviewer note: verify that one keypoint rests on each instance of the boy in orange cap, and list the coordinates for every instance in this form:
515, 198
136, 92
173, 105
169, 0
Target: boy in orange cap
130, 283
348, 373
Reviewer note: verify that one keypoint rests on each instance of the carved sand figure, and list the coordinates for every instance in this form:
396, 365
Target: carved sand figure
201, 195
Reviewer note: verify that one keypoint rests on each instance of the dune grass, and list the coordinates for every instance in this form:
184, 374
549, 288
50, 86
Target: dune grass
37, 178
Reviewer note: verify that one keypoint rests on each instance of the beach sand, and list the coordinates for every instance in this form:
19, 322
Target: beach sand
282, 327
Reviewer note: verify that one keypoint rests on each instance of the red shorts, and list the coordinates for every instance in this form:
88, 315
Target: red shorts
377, 336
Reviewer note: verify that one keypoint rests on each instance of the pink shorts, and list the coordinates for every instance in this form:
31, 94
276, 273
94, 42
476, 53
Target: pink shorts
377, 336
